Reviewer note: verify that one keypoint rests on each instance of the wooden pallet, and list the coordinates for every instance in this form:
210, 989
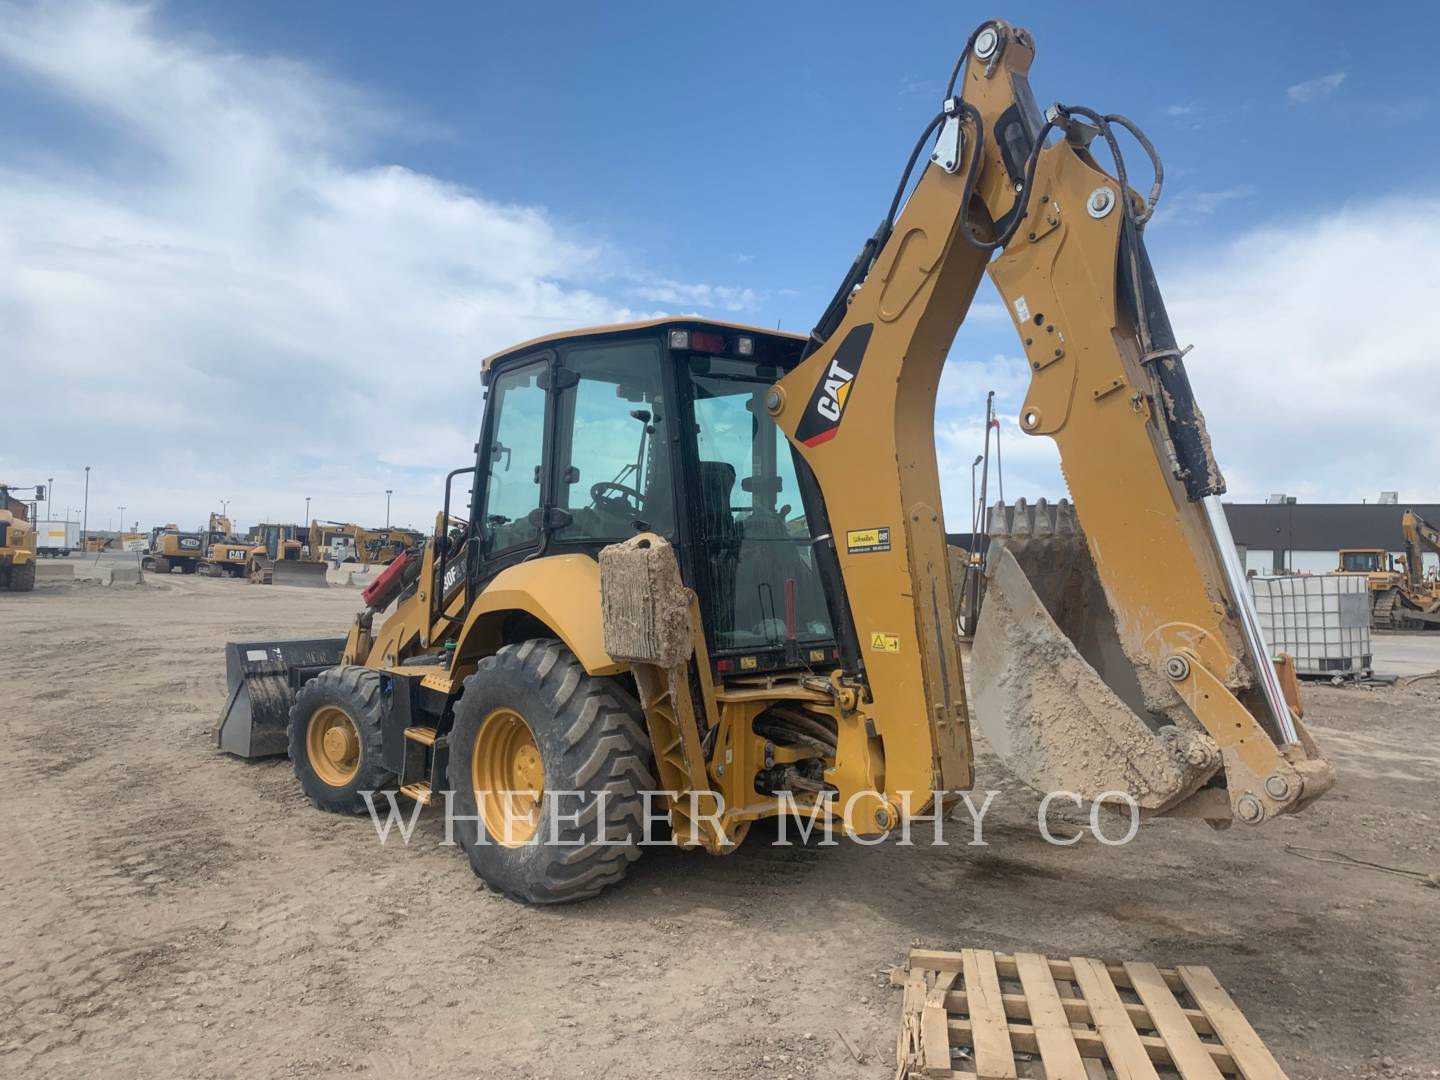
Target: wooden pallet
980, 1015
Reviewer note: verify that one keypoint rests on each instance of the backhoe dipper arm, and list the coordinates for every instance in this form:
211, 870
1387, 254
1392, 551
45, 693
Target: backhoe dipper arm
1107, 384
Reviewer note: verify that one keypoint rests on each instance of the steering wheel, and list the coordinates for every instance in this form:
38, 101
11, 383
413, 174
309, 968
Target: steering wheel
627, 501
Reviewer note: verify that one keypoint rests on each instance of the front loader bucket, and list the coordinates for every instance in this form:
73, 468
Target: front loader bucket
261, 678
310, 575
1053, 691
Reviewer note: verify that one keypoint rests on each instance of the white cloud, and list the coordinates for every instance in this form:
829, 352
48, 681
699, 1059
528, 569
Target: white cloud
1312, 364
1303, 93
218, 292
718, 297
1311, 355
1196, 207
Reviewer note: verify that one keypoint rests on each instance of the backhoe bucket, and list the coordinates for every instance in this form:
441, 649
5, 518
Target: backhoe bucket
262, 678
310, 575
1053, 691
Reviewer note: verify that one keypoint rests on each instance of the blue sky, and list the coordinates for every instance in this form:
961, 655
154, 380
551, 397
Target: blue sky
201, 197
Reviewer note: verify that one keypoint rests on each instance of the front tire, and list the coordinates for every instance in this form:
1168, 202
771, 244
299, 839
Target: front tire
22, 578
335, 739
532, 721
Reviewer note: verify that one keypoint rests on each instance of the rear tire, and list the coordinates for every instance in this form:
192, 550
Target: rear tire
22, 578
335, 739
595, 757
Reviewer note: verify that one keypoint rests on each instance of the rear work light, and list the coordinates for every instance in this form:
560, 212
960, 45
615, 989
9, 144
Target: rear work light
744, 346
679, 339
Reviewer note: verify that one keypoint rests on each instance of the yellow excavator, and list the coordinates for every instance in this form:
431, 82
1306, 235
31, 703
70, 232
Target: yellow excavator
701, 573
173, 549
346, 542
1416, 605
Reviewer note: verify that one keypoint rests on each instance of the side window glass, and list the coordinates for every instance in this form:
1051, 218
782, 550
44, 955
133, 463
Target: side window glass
613, 445
517, 446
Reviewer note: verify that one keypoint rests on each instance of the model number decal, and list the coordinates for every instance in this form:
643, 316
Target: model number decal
859, 541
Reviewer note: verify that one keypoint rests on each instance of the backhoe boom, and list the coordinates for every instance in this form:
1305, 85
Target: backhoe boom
1197, 707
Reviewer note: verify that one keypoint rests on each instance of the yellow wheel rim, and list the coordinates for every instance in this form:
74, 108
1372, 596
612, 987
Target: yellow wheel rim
508, 776
332, 742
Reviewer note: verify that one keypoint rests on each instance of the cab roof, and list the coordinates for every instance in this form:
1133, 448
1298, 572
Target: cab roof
643, 324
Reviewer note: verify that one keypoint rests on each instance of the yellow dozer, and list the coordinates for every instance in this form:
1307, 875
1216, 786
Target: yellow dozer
277, 557
700, 571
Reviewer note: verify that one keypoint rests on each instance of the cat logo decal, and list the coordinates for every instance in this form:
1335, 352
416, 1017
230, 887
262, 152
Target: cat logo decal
827, 404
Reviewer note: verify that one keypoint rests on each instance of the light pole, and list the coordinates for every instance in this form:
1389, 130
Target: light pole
49, 496
85, 512
224, 507
122, 519
307, 511
388, 493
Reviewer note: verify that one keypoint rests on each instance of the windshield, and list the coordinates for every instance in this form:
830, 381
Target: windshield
1364, 561
757, 555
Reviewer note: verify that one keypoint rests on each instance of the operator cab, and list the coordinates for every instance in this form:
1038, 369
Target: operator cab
593, 436
1362, 561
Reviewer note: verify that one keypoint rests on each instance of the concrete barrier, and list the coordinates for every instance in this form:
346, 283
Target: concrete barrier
54, 570
109, 574
361, 578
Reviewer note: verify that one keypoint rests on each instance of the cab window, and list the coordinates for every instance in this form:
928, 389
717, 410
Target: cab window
516, 453
613, 424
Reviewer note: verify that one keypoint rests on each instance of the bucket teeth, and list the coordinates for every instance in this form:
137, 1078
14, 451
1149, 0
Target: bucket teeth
1022, 521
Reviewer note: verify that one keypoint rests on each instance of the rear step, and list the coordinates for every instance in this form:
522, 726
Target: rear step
423, 735
419, 791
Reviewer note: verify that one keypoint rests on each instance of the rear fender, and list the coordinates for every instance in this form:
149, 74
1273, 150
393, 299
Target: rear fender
560, 591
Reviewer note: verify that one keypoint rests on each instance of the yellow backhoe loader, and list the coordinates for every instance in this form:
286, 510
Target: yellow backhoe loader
709, 560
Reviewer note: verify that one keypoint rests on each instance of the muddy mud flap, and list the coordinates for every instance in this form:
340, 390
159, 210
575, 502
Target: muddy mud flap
1054, 692
292, 572
261, 678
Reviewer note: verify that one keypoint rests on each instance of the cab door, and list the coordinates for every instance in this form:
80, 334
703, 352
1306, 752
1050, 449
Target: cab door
513, 489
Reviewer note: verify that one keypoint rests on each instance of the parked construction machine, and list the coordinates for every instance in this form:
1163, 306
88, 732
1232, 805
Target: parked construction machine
17, 544
1403, 596
745, 603
171, 549
346, 542
1416, 603
277, 557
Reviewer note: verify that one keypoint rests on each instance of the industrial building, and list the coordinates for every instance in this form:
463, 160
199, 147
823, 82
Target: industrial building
1284, 535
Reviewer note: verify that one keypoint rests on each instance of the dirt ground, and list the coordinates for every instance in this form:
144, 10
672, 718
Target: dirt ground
165, 911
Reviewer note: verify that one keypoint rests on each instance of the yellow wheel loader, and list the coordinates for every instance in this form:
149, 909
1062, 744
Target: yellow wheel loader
17, 552
708, 561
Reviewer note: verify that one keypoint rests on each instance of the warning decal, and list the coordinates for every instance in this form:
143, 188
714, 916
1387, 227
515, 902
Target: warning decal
859, 541
885, 642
